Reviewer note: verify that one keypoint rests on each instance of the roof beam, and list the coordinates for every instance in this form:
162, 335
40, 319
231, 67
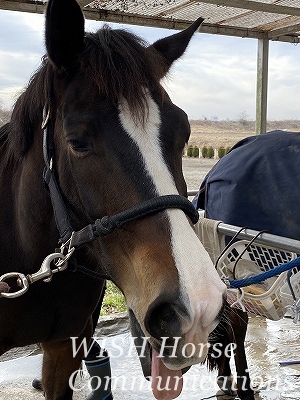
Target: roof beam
287, 39
256, 6
169, 23
231, 31
284, 31
23, 5
134, 19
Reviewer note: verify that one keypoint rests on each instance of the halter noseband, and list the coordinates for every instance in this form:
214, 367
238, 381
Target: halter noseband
106, 224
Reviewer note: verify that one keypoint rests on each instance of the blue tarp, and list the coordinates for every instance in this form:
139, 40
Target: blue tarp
257, 185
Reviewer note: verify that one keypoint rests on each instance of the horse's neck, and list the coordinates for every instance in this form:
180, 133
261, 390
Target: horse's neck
28, 231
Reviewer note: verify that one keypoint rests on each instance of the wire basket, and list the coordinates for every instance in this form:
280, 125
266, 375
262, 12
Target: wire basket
243, 259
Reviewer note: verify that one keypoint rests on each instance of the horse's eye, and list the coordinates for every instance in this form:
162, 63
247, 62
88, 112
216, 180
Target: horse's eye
79, 146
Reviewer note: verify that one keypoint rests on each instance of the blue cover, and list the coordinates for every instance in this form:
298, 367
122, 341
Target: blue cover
257, 185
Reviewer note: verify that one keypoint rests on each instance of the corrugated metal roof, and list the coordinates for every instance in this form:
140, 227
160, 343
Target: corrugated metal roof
270, 19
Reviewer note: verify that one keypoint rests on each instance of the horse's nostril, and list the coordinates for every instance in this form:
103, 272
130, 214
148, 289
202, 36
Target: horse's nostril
163, 321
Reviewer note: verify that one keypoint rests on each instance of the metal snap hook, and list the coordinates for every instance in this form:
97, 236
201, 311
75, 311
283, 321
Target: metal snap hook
45, 272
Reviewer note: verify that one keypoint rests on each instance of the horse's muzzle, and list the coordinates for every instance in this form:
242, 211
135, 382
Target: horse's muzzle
163, 321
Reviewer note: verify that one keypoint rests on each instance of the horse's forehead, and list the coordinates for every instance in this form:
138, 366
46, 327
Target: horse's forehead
148, 139
155, 118
80, 94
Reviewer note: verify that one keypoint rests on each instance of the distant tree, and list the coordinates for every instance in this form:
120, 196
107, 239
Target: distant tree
204, 152
210, 152
243, 119
196, 152
189, 152
221, 151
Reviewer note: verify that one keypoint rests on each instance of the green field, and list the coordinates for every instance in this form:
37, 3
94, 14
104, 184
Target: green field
114, 301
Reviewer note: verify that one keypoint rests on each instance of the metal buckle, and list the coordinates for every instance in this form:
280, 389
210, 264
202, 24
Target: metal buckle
22, 281
67, 251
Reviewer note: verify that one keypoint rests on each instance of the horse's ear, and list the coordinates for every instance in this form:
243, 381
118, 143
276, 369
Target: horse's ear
64, 34
173, 47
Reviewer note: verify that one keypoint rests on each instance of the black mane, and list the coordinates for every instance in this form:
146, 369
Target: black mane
122, 66
118, 62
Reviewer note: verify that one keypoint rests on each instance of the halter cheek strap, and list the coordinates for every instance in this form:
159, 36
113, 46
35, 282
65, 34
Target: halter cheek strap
59, 208
60, 211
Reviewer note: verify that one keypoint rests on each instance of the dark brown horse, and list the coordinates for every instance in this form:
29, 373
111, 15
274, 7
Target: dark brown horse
112, 143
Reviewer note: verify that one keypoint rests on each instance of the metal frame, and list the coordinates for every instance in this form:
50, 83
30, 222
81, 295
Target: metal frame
262, 85
266, 239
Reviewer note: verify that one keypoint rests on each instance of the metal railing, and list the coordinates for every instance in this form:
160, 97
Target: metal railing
264, 238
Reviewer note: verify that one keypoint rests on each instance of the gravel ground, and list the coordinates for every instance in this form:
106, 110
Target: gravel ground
195, 169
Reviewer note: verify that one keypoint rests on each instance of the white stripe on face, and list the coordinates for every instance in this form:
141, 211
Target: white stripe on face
196, 273
147, 140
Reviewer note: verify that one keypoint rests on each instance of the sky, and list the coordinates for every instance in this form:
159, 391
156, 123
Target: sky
215, 79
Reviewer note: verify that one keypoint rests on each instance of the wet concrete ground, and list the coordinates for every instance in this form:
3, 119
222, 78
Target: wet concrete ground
267, 344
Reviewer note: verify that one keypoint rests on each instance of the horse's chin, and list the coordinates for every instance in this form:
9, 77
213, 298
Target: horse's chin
163, 372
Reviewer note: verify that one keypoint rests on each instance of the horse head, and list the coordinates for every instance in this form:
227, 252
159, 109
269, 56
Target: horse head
118, 142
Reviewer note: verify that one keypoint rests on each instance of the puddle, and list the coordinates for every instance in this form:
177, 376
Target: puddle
267, 344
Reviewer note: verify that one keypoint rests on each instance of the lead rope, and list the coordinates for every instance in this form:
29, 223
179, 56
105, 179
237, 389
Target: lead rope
238, 283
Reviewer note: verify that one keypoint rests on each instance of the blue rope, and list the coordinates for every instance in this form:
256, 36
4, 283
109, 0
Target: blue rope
238, 283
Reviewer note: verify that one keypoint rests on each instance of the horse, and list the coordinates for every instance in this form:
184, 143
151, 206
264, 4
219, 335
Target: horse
96, 129
252, 186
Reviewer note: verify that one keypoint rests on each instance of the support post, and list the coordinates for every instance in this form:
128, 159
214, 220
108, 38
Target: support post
262, 86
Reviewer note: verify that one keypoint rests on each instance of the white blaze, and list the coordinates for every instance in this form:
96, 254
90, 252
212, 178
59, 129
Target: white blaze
195, 269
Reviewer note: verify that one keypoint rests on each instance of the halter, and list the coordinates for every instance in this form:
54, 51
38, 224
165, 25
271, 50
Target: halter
106, 224
71, 240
